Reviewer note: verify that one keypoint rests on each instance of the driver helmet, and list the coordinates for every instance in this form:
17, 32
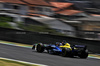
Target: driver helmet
63, 42
57, 44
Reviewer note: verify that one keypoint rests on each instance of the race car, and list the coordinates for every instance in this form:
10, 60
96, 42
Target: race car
64, 50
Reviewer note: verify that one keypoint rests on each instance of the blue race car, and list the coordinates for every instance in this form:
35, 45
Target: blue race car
64, 50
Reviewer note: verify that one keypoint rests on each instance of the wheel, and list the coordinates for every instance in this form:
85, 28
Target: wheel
83, 54
66, 52
40, 48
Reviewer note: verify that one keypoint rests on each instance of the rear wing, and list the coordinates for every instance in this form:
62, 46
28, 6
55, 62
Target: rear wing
80, 46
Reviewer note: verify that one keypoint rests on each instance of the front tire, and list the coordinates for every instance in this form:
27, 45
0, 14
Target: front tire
40, 48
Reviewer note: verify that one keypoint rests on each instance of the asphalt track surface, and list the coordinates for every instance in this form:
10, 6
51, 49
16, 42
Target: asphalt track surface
26, 54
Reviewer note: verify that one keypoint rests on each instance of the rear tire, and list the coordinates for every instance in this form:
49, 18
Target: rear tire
64, 52
83, 55
40, 48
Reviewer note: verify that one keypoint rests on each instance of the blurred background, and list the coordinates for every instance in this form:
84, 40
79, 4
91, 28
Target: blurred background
75, 18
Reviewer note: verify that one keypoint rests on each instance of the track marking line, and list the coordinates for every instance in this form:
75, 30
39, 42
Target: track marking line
94, 56
23, 61
16, 45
